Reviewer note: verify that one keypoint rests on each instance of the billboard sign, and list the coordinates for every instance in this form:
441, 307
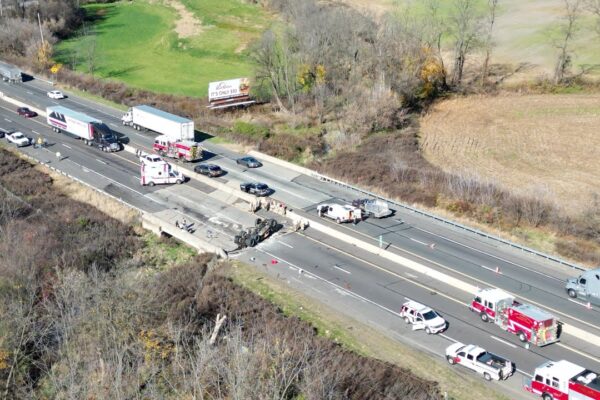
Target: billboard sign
228, 89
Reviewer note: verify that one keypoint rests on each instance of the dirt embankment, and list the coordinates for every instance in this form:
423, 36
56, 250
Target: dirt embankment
187, 25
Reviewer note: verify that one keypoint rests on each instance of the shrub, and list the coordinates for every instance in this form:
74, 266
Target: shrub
253, 131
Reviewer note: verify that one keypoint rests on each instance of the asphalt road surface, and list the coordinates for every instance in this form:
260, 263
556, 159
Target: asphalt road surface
357, 282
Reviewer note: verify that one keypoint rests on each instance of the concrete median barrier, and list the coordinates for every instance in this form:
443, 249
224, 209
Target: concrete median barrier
21, 104
190, 173
415, 266
160, 226
315, 224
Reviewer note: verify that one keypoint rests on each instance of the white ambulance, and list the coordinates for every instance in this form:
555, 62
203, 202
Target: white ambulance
157, 173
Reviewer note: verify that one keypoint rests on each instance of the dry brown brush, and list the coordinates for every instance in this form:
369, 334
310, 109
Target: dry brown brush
82, 318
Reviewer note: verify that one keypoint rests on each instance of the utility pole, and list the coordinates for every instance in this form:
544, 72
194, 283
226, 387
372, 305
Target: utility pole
40, 24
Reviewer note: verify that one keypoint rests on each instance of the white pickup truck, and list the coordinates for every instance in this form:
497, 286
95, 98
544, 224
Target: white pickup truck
488, 365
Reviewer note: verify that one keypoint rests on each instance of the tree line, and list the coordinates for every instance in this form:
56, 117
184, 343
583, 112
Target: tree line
347, 65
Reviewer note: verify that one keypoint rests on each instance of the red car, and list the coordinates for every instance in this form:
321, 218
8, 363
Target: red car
26, 112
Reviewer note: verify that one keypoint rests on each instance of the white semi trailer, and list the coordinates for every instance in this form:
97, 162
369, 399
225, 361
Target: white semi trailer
92, 131
145, 117
10, 73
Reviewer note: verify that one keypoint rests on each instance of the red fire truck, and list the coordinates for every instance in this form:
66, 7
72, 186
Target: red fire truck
563, 380
179, 149
529, 323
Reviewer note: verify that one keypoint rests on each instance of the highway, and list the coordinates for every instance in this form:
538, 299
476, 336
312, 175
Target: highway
334, 271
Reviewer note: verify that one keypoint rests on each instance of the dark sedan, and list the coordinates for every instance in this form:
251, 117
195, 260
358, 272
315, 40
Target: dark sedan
249, 162
257, 189
3, 133
26, 112
211, 170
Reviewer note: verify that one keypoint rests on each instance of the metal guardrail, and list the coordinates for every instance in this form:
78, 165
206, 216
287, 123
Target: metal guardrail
526, 249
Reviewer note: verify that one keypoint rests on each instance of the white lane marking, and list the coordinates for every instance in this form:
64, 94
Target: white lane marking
285, 244
6, 119
564, 346
85, 170
28, 92
581, 304
418, 241
503, 341
67, 146
485, 283
495, 270
103, 162
37, 133
113, 124
399, 221
439, 293
447, 337
578, 302
491, 255
413, 276
118, 183
359, 297
342, 269
524, 373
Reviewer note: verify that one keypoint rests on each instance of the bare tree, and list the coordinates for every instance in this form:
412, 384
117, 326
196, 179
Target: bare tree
275, 68
593, 6
465, 23
436, 27
568, 31
492, 8
91, 53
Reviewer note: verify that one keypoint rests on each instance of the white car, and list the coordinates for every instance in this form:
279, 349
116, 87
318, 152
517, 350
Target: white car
18, 139
56, 94
422, 317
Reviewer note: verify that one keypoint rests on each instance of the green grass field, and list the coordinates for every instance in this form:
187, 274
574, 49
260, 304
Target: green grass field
136, 42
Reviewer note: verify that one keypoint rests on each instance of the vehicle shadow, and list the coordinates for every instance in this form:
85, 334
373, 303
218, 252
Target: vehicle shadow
207, 155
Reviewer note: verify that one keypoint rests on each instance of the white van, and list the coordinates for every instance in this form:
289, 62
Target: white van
422, 317
339, 213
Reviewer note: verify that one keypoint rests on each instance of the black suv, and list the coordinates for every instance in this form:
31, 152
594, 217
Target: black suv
211, 170
257, 189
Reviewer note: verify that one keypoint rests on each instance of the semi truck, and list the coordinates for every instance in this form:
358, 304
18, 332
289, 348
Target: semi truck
92, 131
529, 323
563, 380
586, 286
152, 119
10, 73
